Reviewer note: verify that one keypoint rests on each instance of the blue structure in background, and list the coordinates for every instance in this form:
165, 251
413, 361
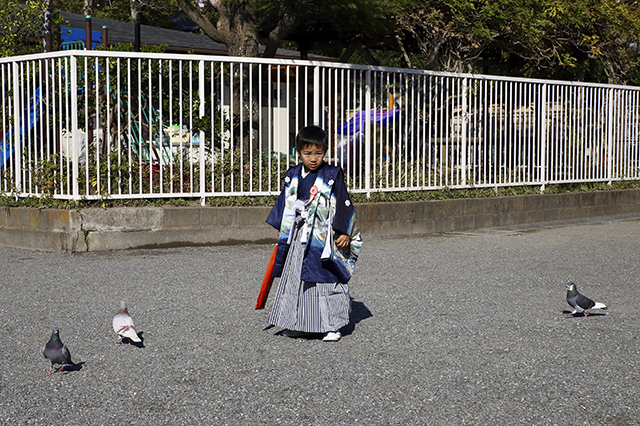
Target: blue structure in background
70, 35
71, 38
355, 124
351, 145
6, 144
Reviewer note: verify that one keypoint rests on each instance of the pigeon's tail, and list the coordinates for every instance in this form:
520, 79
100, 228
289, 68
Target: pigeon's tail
599, 305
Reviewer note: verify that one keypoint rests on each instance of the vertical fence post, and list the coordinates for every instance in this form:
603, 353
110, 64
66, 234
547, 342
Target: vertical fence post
542, 161
88, 35
74, 127
610, 137
136, 36
17, 113
105, 37
464, 116
316, 96
201, 148
367, 135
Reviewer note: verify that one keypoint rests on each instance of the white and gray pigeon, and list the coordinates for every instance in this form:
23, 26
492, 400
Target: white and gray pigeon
579, 302
123, 324
56, 352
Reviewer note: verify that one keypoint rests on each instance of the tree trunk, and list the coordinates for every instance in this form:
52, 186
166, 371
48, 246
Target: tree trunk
88, 7
135, 6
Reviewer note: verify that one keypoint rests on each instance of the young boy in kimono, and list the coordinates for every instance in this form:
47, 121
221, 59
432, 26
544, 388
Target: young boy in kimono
318, 244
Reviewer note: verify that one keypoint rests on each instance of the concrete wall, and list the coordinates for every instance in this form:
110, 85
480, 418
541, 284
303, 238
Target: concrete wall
146, 227
427, 217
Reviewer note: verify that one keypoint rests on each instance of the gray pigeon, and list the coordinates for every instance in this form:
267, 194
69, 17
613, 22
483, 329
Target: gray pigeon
581, 303
123, 324
56, 352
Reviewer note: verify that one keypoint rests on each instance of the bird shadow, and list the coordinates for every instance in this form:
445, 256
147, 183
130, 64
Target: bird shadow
70, 368
129, 342
581, 315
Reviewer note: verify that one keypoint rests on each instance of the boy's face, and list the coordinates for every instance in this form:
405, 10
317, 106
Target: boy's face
311, 156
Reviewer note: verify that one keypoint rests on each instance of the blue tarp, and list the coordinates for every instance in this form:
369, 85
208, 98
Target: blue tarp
6, 144
355, 124
73, 34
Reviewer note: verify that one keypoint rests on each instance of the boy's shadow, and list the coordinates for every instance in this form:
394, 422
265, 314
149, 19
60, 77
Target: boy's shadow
359, 312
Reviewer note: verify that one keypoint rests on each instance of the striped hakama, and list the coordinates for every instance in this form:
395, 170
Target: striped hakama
306, 306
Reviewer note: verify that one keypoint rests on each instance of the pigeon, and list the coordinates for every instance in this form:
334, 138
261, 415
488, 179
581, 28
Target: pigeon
581, 303
56, 352
123, 324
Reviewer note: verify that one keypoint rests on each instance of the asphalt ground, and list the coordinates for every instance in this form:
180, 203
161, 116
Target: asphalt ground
462, 328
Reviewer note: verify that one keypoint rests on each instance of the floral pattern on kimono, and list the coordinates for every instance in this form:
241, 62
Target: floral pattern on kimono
331, 194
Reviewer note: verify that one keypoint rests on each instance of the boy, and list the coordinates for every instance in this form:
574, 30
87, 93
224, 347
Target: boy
313, 213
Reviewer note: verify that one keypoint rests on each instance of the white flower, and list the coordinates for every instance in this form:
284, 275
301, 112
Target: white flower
287, 179
347, 203
331, 182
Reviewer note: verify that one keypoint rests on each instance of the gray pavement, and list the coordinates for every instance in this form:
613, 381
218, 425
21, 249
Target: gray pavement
463, 328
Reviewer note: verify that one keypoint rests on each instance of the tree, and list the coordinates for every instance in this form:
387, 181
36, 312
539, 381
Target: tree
528, 37
149, 12
21, 27
453, 35
236, 23
242, 24
606, 31
435, 28
338, 28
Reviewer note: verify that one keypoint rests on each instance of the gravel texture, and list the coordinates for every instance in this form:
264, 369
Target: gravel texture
462, 328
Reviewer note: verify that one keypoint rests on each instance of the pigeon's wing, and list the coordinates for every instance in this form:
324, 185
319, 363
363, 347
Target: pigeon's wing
584, 302
123, 326
130, 332
572, 302
121, 321
66, 355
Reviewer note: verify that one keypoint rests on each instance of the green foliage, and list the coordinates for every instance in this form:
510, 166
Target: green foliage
102, 175
107, 175
532, 38
48, 175
344, 22
129, 47
378, 197
21, 27
157, 13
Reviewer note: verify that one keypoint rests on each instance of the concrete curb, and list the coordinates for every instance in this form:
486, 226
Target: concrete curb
429, 217
154, 227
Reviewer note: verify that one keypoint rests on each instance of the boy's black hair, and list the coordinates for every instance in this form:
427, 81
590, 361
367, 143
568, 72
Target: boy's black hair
312, 135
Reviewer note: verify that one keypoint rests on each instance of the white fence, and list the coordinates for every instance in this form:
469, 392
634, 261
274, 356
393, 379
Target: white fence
94, 124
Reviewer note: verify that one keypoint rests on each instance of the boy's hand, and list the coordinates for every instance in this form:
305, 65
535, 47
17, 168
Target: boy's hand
342, 241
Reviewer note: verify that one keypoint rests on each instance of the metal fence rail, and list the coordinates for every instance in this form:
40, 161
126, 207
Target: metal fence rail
94, 124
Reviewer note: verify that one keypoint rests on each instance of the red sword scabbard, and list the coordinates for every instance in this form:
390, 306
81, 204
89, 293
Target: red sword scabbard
267, 281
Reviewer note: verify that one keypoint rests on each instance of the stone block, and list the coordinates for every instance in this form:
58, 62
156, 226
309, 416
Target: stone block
453, 208
125, 219
253, 216
219, 216
181, 217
